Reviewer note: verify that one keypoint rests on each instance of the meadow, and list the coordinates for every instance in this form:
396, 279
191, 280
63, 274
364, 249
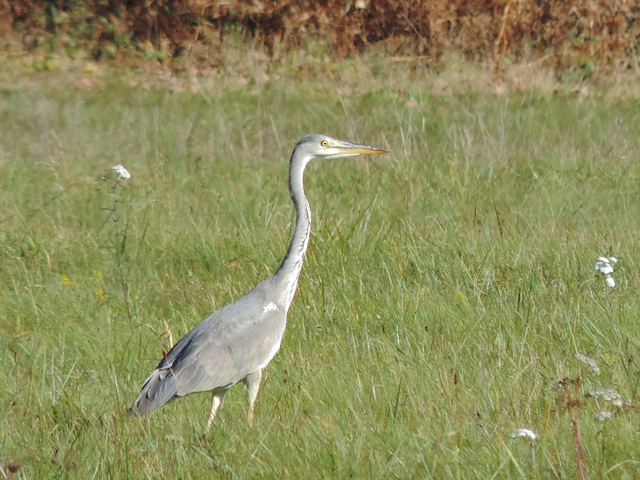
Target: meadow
448, 297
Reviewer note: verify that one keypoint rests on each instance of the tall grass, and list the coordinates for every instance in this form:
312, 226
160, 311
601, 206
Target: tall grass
447, 290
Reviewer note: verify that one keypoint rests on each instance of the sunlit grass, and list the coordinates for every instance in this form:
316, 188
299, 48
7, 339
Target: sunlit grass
448, 287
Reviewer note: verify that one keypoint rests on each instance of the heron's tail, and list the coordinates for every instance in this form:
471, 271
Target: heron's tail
157, 390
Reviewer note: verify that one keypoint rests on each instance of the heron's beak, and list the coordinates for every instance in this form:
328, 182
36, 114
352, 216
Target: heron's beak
346, 148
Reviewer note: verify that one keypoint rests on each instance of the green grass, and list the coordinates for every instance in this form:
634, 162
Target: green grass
447, 288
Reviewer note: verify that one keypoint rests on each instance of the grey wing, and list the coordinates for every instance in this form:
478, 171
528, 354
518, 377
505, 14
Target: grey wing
221, 357
235, 341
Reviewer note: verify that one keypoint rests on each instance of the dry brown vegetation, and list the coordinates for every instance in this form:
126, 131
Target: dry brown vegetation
558, 33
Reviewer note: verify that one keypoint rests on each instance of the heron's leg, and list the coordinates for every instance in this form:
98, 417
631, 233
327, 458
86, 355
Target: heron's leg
252, 382
215, 404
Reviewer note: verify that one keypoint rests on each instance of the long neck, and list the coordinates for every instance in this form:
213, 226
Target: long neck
289, 271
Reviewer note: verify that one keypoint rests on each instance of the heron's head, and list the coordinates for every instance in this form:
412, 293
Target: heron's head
324, 147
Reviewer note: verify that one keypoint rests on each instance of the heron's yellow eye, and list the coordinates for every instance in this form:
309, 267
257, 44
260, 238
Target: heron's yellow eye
324, 143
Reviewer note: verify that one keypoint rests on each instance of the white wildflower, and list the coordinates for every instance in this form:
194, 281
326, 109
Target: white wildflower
606, 395
606, 269
122, 172
590, 362
602, 416
524, 432
605, 266
609, 395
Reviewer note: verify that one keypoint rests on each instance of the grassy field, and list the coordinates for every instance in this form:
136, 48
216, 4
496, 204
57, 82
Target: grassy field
447, 300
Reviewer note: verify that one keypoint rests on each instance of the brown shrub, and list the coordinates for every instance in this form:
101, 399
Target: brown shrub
562, 32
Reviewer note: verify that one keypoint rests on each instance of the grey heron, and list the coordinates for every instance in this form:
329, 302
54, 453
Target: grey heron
237, 342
